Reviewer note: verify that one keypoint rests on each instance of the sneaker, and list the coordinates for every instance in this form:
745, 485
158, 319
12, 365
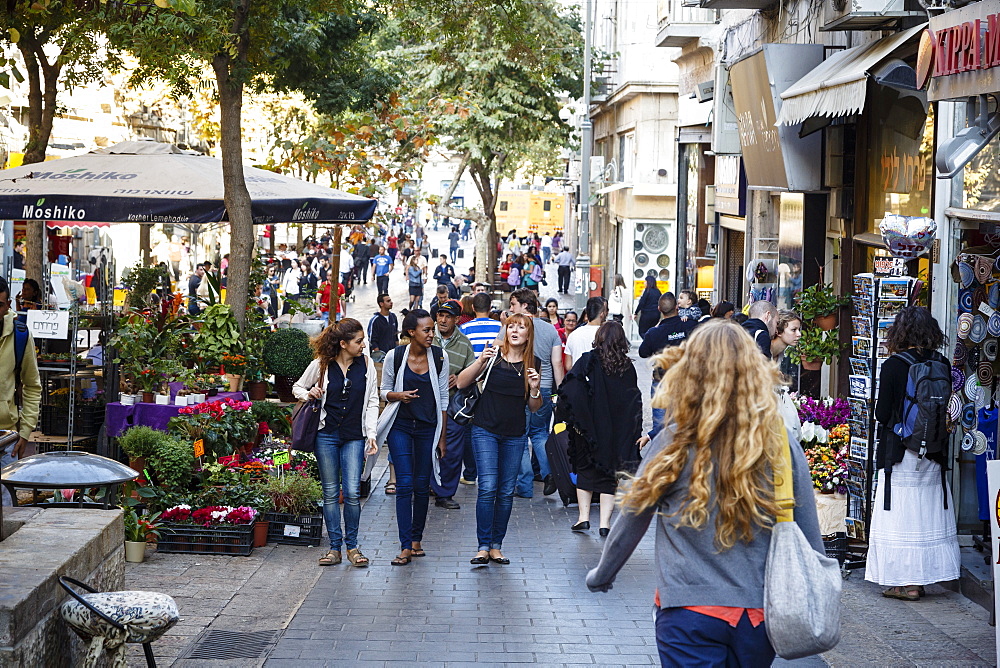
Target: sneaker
466, 482
447, 502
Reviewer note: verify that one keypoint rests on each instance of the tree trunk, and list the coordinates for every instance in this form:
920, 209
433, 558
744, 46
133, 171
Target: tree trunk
42, 79
237, 197
335, 270
144, 243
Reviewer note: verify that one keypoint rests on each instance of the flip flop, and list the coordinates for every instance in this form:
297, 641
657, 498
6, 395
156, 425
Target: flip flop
400, 561
417, 552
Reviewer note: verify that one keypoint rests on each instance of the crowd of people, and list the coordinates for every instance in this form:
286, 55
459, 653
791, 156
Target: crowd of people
721, 423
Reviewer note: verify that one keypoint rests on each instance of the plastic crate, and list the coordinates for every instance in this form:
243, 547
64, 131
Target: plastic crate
192, 539
54, 420
309, 529
836, 546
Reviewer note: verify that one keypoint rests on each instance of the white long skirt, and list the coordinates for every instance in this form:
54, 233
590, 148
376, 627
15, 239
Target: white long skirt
914, 543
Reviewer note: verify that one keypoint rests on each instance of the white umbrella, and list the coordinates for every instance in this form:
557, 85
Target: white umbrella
150, 182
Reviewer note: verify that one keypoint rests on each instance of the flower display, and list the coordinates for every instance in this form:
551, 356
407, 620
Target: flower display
828, 461
827, 413
223, 424
234, 364
209, 515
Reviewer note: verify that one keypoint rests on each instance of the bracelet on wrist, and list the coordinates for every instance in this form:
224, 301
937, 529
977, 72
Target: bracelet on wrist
537, 394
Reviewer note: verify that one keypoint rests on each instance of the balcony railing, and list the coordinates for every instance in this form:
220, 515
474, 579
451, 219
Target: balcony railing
681, 21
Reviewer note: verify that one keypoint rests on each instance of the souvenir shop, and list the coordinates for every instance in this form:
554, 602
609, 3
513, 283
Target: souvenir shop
971, 159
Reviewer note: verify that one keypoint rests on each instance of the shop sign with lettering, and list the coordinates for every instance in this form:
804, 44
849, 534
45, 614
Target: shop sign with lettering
959, 53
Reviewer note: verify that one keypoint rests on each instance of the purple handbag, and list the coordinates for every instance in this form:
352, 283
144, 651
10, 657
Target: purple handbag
305, 421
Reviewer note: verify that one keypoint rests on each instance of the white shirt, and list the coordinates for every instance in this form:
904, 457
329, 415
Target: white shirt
565, 259
546, 241
580, 341
616, 301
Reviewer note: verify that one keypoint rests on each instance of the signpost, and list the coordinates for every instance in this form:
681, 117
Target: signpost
48, 324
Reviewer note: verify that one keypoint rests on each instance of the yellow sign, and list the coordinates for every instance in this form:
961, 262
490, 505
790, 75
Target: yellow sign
199, 448
119, 297
639, 286
283, 457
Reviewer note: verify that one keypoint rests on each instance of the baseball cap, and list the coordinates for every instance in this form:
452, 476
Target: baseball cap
451, 307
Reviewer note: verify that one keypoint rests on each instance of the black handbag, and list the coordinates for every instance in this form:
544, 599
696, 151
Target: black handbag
462, 405
305, 421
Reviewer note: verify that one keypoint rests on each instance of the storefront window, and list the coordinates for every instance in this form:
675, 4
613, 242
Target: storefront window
901, 143
982, 179
790, 248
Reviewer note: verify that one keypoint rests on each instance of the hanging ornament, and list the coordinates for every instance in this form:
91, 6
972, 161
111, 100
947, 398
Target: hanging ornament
907, 237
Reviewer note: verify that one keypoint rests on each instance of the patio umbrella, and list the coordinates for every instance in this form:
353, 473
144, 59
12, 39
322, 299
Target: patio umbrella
150, 182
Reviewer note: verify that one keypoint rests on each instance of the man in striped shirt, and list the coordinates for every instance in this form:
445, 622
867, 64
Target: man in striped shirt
483, 330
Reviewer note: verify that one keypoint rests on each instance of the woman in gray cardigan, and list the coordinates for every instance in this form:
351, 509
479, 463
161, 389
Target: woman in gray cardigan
707, 480
415, 387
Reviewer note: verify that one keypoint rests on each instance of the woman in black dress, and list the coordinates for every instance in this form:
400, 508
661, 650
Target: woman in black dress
601, 404
647, 310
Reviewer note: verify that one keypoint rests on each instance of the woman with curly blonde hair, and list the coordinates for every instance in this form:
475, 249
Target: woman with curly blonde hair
708, 480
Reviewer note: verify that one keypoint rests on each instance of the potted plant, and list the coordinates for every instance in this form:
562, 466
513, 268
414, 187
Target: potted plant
818, 304
224, 425
278, 418
139, 443
286, 354
235, 366
138, 529
172, 460
293, 508
219, 334
212, 528
253, 378
817, 346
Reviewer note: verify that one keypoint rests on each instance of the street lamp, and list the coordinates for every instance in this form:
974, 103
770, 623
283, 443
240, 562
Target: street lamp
586, 139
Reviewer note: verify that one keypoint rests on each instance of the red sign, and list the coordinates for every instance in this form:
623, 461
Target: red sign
959, 51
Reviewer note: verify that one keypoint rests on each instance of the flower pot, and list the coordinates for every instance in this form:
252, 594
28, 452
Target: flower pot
162, 399
826, 322
181, 400
135, 552
213, 392
283, 386
198, 398
260, 533
257, 390
235, 382
148, 397
138, 464
811, 365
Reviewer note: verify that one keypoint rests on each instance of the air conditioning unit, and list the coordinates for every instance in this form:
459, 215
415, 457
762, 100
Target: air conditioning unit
868, 14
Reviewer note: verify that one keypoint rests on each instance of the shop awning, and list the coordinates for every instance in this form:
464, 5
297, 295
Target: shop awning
838, 86
613, 187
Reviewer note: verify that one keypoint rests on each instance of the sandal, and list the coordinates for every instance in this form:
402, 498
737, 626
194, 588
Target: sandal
357, 559
390, 488
902, 593
401, 560
331, 558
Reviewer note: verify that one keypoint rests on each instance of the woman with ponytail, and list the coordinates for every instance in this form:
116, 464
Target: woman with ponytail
708, 480
344, 379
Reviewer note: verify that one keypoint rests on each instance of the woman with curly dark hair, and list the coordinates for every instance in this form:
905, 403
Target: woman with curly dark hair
601, 404
912, 539
344, 379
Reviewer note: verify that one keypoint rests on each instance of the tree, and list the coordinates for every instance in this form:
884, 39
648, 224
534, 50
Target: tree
308, 45
504, 67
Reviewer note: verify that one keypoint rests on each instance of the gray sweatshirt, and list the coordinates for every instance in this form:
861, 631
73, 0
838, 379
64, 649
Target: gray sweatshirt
690, 569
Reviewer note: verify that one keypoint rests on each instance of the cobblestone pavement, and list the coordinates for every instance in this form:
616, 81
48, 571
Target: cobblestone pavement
439, 610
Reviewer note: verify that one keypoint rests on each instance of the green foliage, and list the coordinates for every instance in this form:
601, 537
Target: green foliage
140, 441
141, 281
287, 352
817, 301
816, 345
277, 417
138, 527
293, 494
173, 462
219, 334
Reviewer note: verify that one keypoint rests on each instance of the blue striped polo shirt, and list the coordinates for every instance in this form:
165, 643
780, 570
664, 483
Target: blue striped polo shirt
481, 332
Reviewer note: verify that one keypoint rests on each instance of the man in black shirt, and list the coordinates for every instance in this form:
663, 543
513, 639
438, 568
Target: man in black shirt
383, 329
194, 308
672, 331
761, 325
362, 257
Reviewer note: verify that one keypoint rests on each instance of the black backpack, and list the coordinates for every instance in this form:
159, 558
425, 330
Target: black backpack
922, 424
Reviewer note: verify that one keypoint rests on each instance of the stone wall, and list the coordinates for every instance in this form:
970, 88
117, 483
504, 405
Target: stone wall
84, 544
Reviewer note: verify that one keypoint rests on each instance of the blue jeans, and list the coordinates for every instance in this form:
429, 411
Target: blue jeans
469, 457
411, 445
451, 464
658, 413
687, 638
454, 255
7, 457
538, 434
497, 461
546, 254
340, 466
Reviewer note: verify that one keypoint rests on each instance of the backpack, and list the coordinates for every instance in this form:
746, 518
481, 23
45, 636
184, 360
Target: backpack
514, 278
20, 345
923, 422
399, 356
537, 274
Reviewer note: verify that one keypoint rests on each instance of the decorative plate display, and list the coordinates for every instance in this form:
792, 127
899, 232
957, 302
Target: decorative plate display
641, 259
638, 273
664, 275
663, 261
655, 238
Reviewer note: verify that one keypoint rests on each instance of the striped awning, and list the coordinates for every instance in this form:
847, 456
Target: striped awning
837, 87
